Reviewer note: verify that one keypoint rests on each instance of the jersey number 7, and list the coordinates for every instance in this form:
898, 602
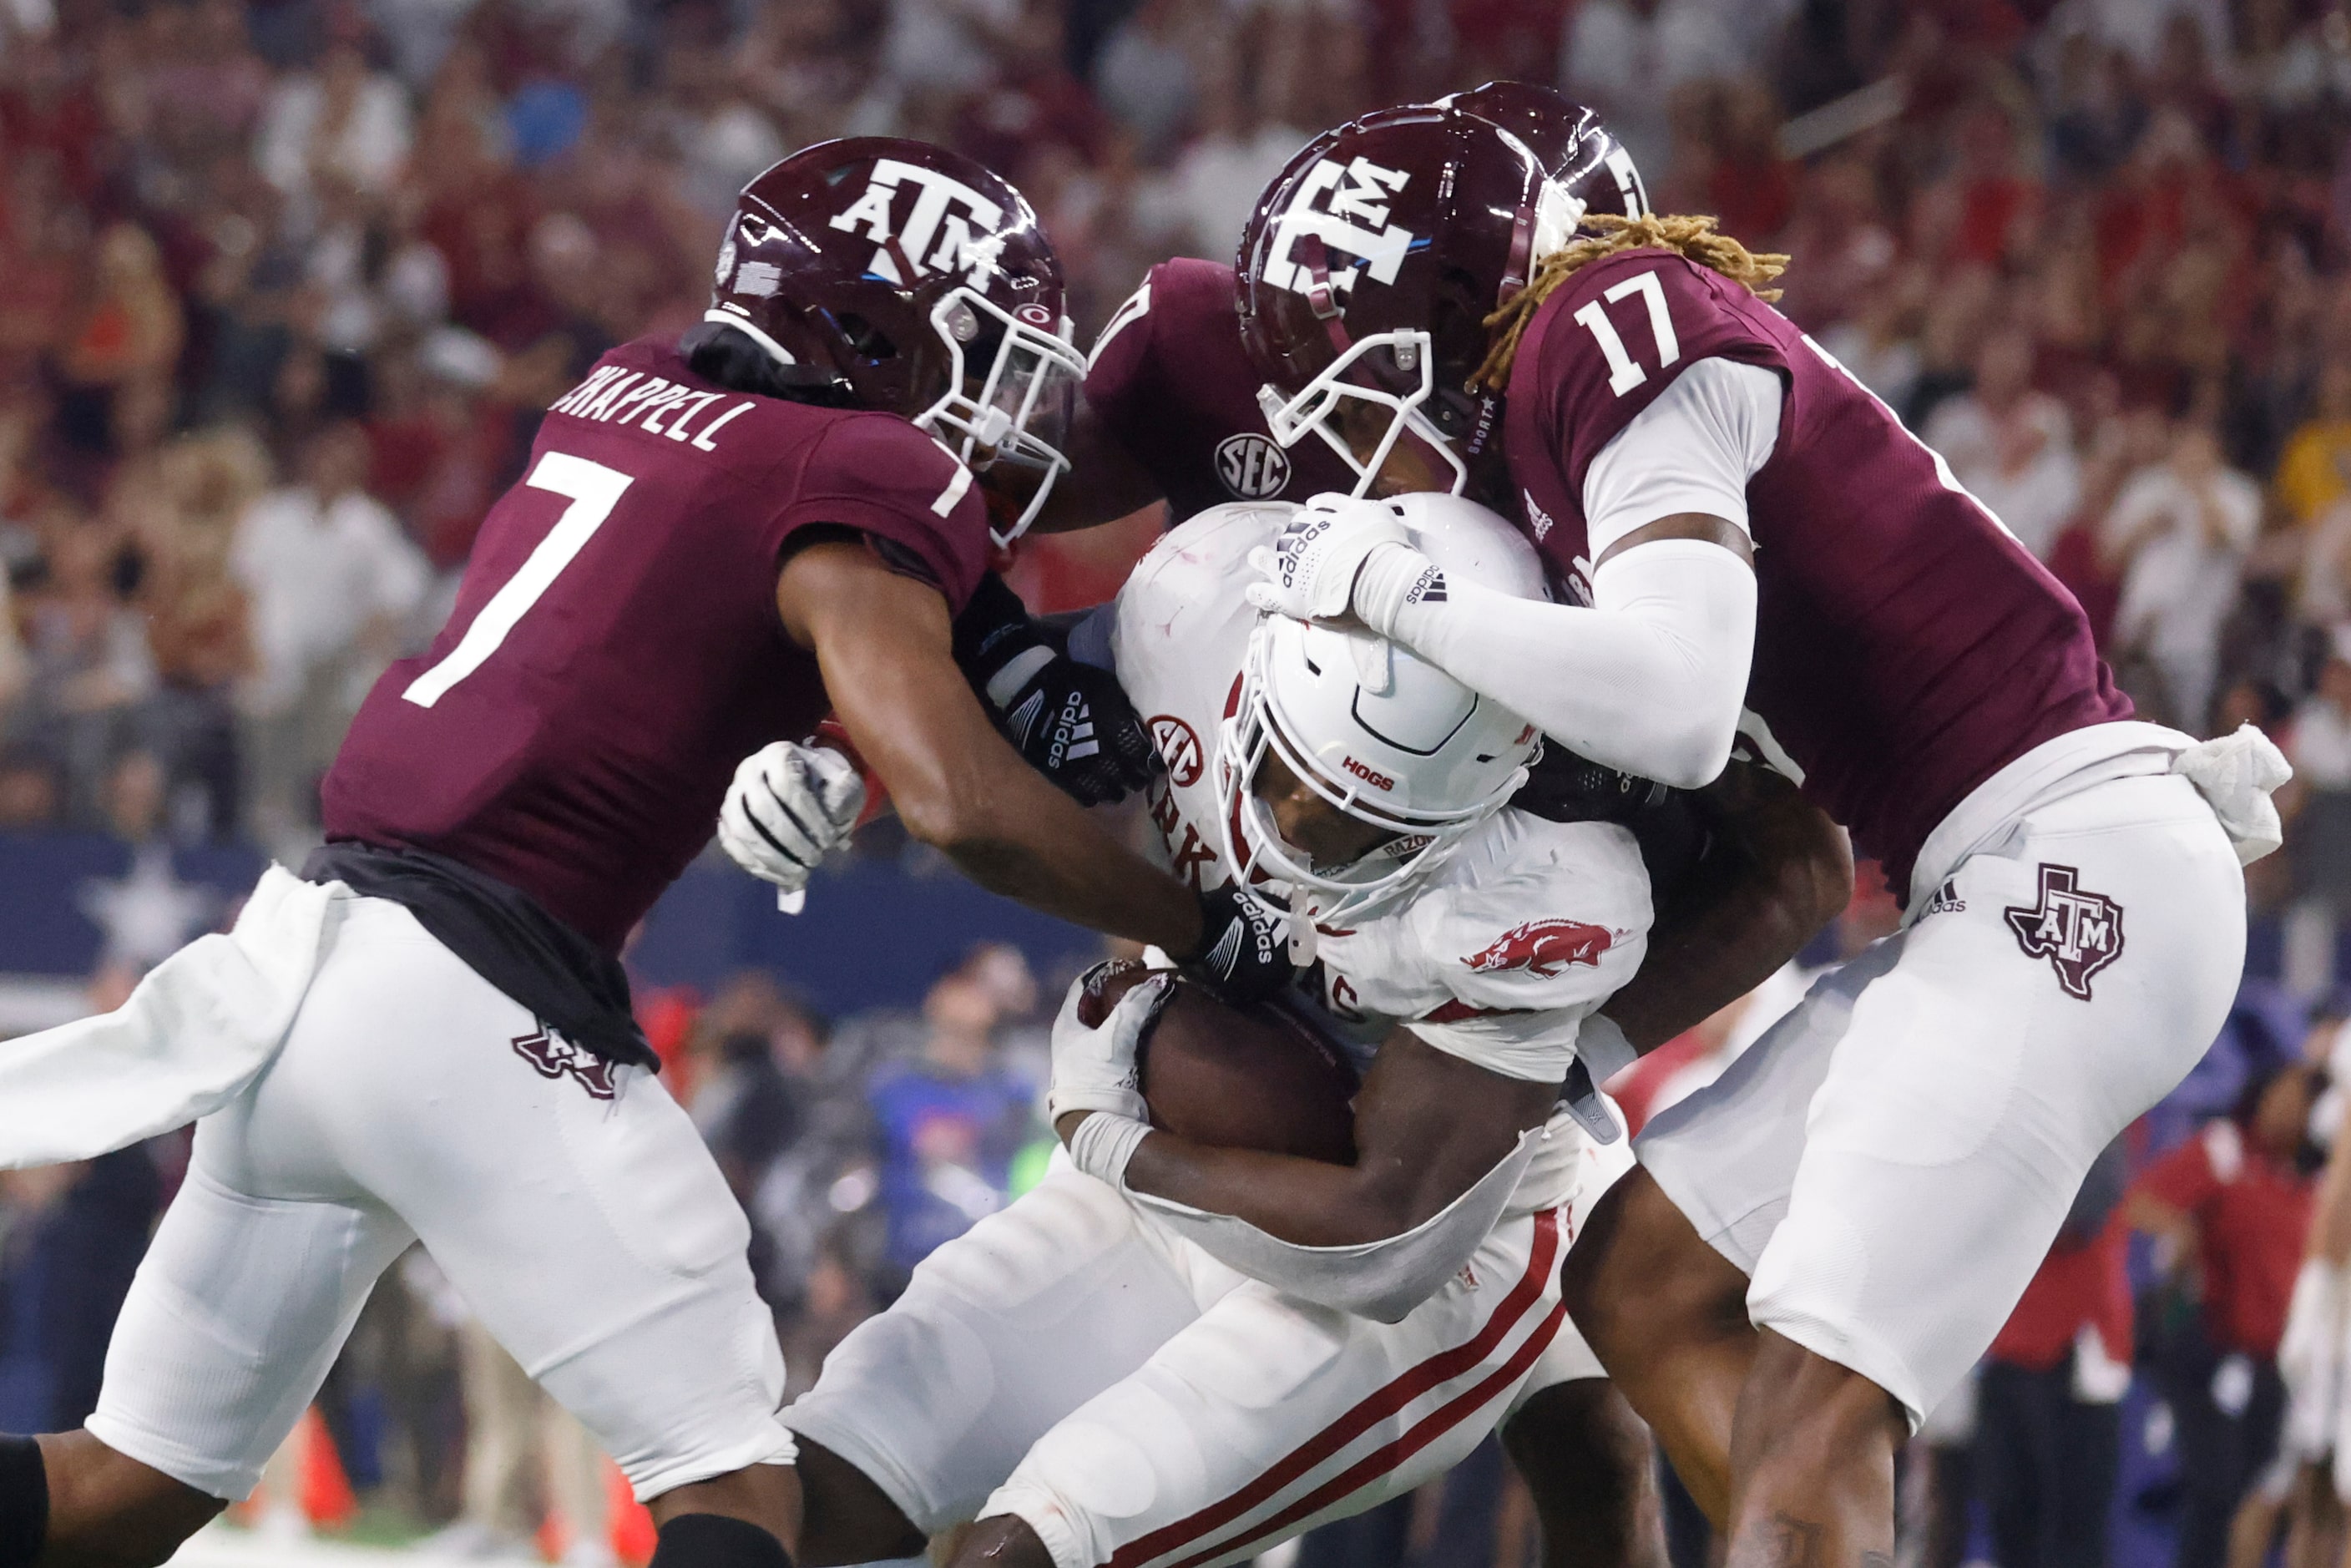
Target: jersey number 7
593, 490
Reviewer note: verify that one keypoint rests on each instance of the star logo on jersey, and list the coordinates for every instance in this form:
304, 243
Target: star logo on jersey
1344, 206
950, 227
1254, 467
2080, 933
1179, 747
552, 1056
1544, 948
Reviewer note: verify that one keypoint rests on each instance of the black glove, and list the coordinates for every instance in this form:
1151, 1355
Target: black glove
1564, 787
1069, 720
1242, 956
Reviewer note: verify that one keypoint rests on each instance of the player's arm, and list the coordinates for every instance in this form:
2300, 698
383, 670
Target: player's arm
1652, 678
1427, 1126
883, 643
1440, 1146
1780, 870
1105, 482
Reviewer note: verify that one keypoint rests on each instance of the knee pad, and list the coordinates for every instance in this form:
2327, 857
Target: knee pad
706, 1541
23, 1503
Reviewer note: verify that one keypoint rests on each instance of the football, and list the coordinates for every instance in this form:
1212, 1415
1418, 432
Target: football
1238, 1078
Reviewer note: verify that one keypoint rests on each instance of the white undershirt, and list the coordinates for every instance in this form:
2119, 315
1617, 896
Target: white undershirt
1692, 450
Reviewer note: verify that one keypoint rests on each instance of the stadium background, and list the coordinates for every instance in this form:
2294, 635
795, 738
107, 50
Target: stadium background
283, 284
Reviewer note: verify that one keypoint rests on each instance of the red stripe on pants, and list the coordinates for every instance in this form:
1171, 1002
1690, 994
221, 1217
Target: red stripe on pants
1380, 1461
1376, 1407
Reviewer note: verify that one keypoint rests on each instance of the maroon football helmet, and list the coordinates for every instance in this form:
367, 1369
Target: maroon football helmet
1567, 139
1368, 270
890, 273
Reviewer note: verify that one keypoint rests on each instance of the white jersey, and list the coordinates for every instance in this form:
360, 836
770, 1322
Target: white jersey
1498, 955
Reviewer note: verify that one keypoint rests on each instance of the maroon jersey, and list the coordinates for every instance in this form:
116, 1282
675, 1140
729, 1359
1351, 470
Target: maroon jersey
1169, 380
615, 649
1905, 646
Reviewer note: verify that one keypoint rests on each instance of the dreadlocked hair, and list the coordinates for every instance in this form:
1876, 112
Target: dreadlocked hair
1695, 237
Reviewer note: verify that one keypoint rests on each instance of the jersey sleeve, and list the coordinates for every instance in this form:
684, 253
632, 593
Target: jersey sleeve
1123, 369
879, 475
1692, 450
1620, 334
1500, 966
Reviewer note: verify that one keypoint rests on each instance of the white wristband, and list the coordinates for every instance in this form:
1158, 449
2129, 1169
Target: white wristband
1105, 1143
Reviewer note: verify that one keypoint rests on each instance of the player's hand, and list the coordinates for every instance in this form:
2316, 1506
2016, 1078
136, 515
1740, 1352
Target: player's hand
1069, 720
790, 807
1242, 957
1095, 1069
1310, 570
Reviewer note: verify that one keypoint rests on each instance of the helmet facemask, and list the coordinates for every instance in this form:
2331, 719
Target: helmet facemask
1320, 406
1269, 869
1011, 386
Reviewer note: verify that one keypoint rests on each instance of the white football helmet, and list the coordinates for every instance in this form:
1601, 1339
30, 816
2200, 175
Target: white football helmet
1380, 734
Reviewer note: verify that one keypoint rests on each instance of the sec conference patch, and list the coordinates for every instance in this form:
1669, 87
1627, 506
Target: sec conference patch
1252, 467
2079, 932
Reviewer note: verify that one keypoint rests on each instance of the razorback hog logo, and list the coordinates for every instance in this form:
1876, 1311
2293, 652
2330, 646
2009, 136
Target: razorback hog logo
551, 1056
1369, 775
950, 228
1544, 948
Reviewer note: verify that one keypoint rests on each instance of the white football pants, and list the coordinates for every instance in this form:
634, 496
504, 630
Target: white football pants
571, 1203
1889, 1164
1136, 1402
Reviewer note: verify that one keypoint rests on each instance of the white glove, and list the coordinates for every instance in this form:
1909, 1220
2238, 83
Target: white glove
789, 807
1095, 1069
1309, 571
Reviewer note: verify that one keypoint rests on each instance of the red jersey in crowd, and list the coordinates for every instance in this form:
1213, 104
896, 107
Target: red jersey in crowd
2079, 1286
2252, 1215
615, 650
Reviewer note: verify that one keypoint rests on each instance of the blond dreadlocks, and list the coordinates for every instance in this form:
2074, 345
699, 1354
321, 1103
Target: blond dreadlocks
1695, 237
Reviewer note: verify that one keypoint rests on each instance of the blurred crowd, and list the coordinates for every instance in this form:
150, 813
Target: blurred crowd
286, 284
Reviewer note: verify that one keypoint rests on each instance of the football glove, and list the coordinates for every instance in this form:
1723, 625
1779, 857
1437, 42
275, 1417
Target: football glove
1097, 1069
1068, 719
1242, 957
789, 807
1310, 570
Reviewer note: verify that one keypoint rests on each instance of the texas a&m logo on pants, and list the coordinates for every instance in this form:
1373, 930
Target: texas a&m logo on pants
2079, 932
552, 1056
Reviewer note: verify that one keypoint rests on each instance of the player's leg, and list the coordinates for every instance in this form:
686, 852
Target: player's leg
1657, 1278
2071, 981
925, 1410
247, 1291
579, 1214
1587, 1459
1666, 1316
1587, 1462
1268, 1416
